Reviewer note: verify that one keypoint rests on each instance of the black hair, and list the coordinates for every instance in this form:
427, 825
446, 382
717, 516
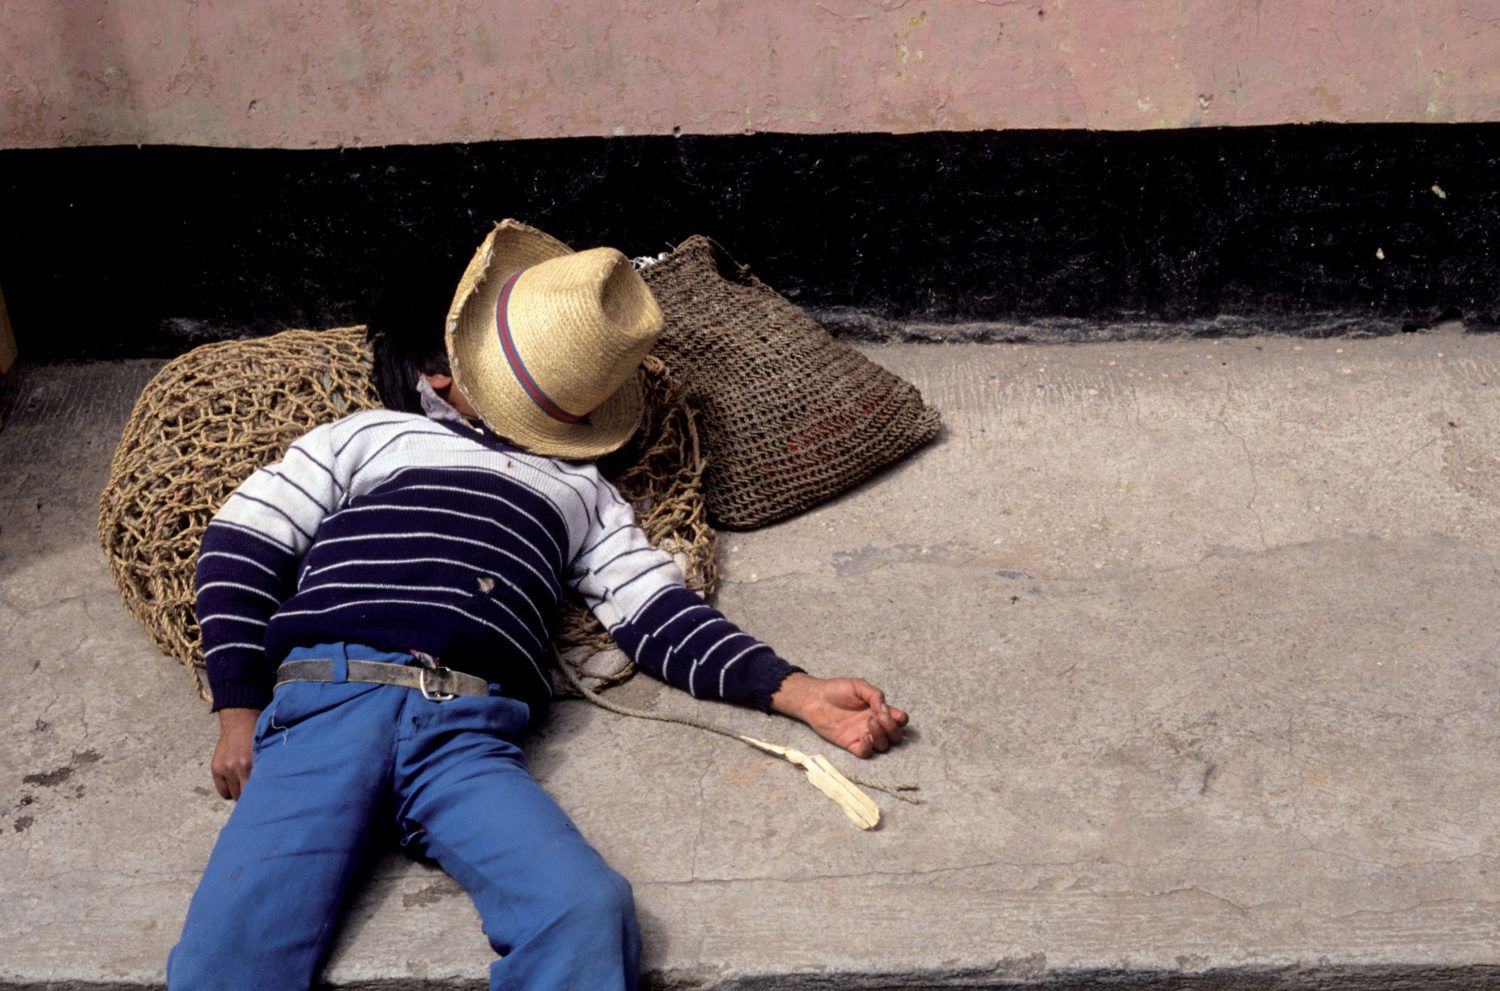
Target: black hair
405, 327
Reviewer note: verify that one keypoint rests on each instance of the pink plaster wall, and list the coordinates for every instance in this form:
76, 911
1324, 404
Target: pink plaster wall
321, 73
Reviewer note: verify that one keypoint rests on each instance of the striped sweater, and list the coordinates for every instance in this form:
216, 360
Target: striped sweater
406, 533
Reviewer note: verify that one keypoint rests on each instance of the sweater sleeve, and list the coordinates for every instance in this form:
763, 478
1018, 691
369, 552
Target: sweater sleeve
637, 592
248, 559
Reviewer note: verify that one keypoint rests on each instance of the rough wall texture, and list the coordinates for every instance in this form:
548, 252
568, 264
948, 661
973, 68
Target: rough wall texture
331, 73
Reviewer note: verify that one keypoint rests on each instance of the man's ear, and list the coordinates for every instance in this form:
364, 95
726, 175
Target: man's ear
438, 380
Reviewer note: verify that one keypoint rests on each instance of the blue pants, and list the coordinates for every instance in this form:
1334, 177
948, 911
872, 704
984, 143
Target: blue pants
337, 767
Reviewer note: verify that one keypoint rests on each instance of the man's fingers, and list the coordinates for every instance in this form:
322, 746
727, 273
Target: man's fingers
888, 722
228, 783
867, 693
230, 778
888, 718
875, 699
242, 778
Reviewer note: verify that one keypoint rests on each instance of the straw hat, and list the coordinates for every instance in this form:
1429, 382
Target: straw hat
546, 343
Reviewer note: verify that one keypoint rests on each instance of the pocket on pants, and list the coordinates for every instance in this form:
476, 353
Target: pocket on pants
498, 715
262, 722
297, 702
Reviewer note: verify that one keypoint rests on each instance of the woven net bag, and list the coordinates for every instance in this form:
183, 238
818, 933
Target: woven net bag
214, 415
790, 416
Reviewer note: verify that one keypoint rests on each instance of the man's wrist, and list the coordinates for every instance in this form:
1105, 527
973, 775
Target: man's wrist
790, 699
232, 716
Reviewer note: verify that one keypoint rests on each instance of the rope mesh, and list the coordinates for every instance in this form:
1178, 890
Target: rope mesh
214, 415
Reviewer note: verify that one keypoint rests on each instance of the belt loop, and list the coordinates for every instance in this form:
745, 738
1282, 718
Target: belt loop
341, 665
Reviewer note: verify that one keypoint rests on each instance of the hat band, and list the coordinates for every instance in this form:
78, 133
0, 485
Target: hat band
518, 367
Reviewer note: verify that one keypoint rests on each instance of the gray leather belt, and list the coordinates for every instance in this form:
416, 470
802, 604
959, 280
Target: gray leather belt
436, 684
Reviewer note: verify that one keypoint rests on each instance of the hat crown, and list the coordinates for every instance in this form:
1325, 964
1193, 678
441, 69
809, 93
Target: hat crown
546, 343
579, 325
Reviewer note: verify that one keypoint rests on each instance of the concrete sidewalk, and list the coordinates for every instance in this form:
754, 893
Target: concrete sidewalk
1199, 639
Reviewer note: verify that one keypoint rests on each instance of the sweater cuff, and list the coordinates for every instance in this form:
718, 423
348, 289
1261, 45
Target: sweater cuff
762, 681
240, 690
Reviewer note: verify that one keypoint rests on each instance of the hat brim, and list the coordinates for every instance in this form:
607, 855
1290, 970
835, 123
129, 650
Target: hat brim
505, 407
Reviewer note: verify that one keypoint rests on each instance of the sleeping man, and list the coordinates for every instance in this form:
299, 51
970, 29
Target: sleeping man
376, 610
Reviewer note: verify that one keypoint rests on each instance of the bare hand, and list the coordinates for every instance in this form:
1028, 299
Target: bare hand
232, 755
846, 711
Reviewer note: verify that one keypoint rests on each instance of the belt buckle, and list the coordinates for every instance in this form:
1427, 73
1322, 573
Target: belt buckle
426, 664
428, 694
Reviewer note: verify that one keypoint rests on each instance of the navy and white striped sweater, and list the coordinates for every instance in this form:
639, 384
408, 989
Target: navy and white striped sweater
405, 533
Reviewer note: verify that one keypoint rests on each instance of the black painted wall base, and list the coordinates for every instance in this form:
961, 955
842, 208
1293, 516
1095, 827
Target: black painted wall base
1053, 234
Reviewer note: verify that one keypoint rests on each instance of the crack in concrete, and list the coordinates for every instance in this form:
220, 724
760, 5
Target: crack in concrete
1411, 454
1405, 910
904, 875
781, 576
10, 603
1239, 909
1389, 866
56, 695
976, 557
1320, 851
702, 818
137, 877
83, 719
1260, 523
1244, 911
1291, 801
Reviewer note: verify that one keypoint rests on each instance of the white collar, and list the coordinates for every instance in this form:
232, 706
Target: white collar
434, 405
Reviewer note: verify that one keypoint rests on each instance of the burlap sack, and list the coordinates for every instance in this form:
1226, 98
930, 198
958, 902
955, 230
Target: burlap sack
212, 416
790, 416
